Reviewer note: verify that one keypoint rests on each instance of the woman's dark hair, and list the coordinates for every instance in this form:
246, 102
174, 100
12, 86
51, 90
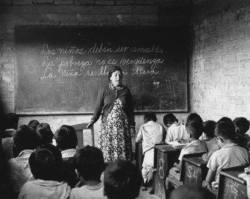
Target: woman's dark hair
208, 128
89, 163
25, 138
150, 117
169, 119
241, 125
122, 180
225, 129
44, 132
66, 137
113, 69
46, 163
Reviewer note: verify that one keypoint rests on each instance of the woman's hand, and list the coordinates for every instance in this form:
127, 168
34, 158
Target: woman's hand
90, 124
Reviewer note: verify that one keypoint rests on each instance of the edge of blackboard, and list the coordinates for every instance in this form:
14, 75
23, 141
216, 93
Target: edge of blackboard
90, 113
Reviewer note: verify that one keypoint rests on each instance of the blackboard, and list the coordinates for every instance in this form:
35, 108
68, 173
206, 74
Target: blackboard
61, 68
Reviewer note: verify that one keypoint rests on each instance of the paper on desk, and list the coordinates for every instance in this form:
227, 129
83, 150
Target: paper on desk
176, 144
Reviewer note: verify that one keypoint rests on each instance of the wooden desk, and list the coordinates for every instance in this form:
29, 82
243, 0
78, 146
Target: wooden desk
165, 155
139, 155
85, 136
230, 185
193, 169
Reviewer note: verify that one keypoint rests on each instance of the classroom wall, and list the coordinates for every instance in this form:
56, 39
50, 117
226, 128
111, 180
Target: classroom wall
220, 62
76, 12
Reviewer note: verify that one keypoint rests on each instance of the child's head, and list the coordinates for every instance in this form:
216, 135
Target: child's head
25, 138
241, 125
33, 124
66, 137
122, 180
169, 119
191, 192
208, 128
45, 133
46, 163
194, 129
89, 163
194, 117
150, 117
225, 130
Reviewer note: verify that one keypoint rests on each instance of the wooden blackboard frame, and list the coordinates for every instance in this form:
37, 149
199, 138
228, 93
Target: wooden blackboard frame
30, 113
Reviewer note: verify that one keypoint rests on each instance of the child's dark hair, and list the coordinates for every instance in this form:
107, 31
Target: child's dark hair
241, 125
208, 128
191, 192
225, 129
46, 163
11, 121
89, 163
45, 133
122, 180
194, 117
66, 137
150, 117
25, 138
169, 119
33, 124
195, 128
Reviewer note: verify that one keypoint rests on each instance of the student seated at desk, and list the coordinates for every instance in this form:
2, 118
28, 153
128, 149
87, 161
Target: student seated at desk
241, 127
246, 177
194, 129
176, 131
151, 133
46, 167
230, 154
210, 139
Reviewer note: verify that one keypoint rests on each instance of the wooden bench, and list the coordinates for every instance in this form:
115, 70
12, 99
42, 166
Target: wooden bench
165, 157
85, 136
230, 185
193, 169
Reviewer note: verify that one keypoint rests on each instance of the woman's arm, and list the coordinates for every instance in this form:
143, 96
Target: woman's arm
98, 108
130, 109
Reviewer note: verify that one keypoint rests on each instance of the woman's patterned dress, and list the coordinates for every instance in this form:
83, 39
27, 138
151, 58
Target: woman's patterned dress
114, 138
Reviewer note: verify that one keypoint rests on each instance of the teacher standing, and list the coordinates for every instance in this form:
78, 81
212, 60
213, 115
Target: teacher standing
115, 104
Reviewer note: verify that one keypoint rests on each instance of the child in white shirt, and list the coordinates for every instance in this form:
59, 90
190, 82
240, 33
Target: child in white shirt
150, 133
230, 154
176, 131
89, 165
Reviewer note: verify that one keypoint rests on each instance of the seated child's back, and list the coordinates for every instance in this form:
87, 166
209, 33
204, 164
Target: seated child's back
90, 165
151, 133
46, 167
230, 154
176, 131
210, 139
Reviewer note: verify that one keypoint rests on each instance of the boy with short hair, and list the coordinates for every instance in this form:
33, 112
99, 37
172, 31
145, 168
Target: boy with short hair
122, 180
90, 165
25, 141
230, 154
210, 139
176, 131
46, 167
241, 127
150, 133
